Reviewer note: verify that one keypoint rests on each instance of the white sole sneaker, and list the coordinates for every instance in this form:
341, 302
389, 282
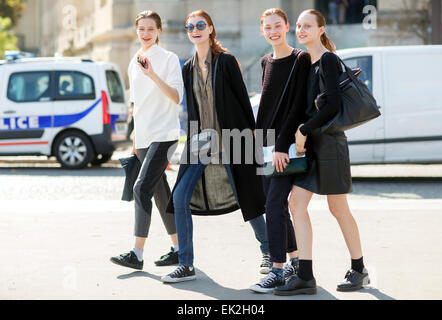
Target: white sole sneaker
259, 289
265, 270
167, 279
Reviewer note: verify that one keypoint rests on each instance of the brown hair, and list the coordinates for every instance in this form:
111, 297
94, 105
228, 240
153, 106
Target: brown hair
320, 19
148, 14
215, 45
273, 11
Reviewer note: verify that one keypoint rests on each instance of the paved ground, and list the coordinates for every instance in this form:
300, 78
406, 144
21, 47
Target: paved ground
59, 228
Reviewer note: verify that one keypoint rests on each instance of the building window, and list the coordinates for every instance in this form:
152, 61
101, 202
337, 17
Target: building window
343, 11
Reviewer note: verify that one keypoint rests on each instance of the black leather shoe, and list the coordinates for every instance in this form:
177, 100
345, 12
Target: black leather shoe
129, 260
168, 259
295, 286
354, 281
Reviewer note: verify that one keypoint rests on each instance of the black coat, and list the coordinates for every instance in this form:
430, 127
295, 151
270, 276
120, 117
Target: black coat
233, 111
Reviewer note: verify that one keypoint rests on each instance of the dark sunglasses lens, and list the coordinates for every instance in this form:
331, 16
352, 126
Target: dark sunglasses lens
201, 25
189, 27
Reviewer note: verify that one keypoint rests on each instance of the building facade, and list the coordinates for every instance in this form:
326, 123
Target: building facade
103, 30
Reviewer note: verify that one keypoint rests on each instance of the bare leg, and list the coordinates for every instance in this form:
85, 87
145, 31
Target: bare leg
139, 243
293, 254
174, 238
298, 203
338, 206
278, 265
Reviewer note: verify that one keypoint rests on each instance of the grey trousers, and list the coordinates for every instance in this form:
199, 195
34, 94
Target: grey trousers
152, 182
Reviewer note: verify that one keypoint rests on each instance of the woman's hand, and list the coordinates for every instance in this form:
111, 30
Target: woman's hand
148, 71
300, 141
170, 92
280, 161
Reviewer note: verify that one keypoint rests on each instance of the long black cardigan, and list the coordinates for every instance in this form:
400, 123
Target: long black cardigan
234, 111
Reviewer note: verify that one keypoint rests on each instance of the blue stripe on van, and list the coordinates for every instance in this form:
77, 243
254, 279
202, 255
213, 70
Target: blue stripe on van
67, 120
41, 122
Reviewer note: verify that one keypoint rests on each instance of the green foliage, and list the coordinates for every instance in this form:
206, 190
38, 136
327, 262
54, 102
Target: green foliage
7, 40
11, 9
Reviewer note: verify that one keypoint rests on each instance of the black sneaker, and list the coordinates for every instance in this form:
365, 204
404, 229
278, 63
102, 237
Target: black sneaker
168, 259
129, 260
354, 280
267, 284
266, 264
295, 286
182, 273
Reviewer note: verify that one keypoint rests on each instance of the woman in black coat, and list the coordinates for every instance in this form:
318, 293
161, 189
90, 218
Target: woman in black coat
203, 187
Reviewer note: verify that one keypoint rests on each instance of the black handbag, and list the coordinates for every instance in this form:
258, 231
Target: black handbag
358, 104
131, 166
297, 164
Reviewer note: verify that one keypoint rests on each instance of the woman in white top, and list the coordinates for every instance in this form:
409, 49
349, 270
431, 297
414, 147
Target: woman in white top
156, 89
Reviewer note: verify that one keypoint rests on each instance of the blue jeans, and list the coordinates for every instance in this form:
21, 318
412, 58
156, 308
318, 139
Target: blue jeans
183, 215
260, 229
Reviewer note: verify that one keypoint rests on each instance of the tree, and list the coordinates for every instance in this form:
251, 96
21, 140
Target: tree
7, 40
11, 9
10, 12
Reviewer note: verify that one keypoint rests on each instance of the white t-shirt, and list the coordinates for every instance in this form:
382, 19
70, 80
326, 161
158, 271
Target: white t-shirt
156, 116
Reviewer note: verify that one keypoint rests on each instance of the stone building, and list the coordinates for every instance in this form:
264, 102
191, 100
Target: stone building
103, 30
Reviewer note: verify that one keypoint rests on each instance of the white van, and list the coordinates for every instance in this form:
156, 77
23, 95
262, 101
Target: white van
407, 84
70, 108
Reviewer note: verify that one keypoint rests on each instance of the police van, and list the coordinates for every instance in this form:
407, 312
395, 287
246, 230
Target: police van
70, 108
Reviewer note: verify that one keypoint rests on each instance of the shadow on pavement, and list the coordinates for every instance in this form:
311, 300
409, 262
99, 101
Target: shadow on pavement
137, 274
376, 293
208, 287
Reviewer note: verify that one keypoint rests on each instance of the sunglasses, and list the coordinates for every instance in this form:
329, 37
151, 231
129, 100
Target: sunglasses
200, 25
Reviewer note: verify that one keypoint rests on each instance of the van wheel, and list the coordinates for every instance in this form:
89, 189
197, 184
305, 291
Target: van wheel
73, 150
101, 158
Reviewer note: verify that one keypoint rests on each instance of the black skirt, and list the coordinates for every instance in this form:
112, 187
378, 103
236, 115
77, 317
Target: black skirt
329, 165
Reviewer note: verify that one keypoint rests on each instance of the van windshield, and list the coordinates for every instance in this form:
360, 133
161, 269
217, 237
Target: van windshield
114, 86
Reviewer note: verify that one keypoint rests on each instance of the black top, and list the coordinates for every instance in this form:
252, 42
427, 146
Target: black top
331, 71
275, 73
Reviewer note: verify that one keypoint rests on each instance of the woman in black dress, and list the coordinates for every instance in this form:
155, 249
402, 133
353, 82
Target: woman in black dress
329, 172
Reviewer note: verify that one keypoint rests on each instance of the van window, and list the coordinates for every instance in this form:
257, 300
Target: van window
114, 86
366, 65
29, 87
74, 85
